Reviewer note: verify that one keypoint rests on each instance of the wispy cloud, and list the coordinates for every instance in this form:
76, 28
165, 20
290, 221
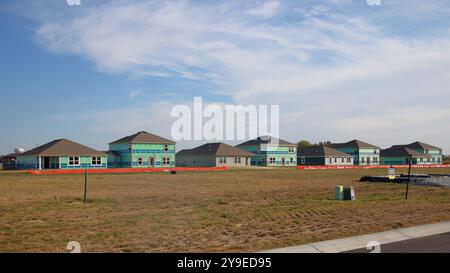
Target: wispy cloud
266, 9
136, 93
337, 67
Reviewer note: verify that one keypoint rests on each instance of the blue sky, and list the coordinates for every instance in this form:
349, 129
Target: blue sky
339, 69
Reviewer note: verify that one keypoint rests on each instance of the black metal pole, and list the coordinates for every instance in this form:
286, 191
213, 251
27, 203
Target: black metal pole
409, 177
85, 186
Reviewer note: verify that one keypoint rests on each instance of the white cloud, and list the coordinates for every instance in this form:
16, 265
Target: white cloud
136, 93
336, 77
266, 10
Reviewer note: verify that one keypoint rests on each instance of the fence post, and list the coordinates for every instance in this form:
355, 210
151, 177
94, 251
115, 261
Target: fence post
85, 186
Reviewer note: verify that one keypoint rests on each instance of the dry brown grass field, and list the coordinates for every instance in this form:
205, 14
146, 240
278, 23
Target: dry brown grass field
236, 210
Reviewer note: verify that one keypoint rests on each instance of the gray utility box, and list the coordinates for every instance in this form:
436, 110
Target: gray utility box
345, 193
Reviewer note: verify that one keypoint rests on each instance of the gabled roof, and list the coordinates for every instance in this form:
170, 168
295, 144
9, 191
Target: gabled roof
320, 151
401, 151
61, 147
421, 145
267, 140
143, 137
217, 149
357, 144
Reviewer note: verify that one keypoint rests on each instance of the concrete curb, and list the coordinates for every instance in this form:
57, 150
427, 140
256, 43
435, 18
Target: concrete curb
357, 242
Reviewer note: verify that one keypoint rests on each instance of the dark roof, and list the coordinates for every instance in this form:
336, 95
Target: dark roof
320, 151
421, 145
62, 147
11, 155
112, 153
143, 137
217, 149
266, 140
401, 151
358, 144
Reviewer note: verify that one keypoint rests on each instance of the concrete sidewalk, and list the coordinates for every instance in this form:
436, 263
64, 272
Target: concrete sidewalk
359, 242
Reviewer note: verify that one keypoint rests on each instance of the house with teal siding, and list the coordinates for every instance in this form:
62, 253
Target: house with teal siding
401, 155
433, 153
142, 150
271, 151
62, 154
364, 154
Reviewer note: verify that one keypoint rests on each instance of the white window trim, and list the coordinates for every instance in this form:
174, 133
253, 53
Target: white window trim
95, 159
165, 161
141, 160
68, 161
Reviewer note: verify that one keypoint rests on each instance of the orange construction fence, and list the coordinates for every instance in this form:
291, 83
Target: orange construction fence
369, 167
124, 170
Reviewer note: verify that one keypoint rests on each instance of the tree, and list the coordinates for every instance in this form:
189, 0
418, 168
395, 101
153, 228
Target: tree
304, 143
324, 143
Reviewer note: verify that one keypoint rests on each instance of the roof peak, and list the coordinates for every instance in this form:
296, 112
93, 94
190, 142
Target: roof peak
143, 137
217, 149
267, 139
62, 147
357, 143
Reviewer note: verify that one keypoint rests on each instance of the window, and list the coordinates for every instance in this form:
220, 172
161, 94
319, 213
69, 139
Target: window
428, 160
222, 160
363, 159
237, 160
166, 148
272, 160
291, 149
349, 159
74, 161
335, 160
166, 161
292, 160
302, 160
96, 161
140, 161
421, 159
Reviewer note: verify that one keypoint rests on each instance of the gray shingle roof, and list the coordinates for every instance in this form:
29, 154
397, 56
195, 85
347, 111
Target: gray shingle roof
320, 151
401, 151
217, 149
61, 147
358, 144
421, 145
143, 137
267, 140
